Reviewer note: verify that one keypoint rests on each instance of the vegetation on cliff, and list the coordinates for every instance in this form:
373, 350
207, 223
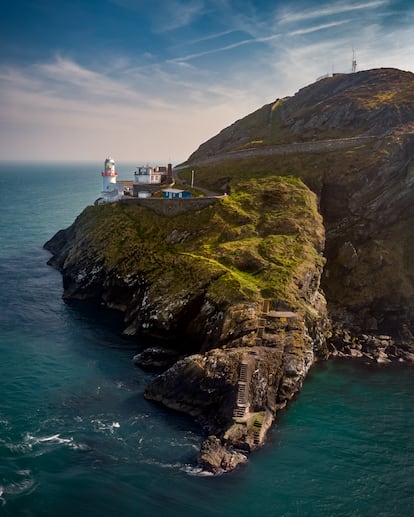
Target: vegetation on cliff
340, 106
241, 277
351, 141
257, 243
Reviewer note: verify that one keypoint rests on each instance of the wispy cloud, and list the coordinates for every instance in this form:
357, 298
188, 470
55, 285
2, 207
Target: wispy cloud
290, 16
317, 28
231, 46
167, 15
65, 83
69, 104
176, 14
196, 55
210, 37
182, 100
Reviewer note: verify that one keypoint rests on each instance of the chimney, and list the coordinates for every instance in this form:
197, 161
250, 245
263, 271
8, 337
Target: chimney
169, 173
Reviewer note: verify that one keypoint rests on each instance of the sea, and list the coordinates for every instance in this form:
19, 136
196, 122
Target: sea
77, 437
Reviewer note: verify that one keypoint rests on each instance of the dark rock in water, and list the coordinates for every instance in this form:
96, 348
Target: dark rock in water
216, 458
156, 357
376, 348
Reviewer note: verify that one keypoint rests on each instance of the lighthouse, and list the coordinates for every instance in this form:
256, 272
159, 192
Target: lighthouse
109, 176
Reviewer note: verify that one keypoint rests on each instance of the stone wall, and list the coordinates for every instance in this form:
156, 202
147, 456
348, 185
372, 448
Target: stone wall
171, 207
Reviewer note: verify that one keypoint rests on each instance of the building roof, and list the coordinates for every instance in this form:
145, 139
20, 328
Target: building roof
126, 183
173, 190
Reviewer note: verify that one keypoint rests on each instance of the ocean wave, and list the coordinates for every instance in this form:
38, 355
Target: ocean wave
197, 471
105, 426
20, 448
54, 438
138, 418
30, 441
163, 465
179, 442
23, 484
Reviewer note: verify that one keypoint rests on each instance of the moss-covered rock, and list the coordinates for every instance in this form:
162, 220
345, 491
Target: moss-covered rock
171, 274
222, 278
239, 279
350, 138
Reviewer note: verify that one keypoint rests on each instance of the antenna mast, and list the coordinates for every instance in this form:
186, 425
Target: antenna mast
354, 63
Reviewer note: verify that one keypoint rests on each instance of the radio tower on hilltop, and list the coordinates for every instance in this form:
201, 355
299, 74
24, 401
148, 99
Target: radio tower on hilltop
354, 63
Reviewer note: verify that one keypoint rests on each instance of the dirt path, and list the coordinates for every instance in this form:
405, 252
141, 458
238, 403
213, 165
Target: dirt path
281, 149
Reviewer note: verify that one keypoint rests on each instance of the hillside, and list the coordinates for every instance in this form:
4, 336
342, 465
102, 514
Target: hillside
345, 105
234, 285
350, 138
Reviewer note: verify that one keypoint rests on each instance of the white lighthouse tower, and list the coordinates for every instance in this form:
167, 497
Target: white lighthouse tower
111, 190
109, 176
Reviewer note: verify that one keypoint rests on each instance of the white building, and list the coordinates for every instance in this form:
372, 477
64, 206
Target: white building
111, 191
148, 175
109, 175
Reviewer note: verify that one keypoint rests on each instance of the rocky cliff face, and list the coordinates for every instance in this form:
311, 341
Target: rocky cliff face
372, 102
351, 139
236, 284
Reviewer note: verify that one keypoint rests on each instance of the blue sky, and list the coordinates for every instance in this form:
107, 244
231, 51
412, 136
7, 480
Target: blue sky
151, 80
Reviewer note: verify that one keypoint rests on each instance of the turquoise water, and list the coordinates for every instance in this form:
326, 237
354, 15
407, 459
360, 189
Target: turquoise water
78, 438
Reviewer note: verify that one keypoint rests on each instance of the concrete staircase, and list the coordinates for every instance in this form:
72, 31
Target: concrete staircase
242, 395
257, 429
242, 391
243, 372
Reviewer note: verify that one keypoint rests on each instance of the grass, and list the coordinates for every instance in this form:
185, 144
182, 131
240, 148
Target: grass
248, 245
312, 168
262, 237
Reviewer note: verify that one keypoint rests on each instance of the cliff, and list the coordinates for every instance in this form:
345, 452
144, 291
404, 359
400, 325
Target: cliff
350, 138
322, 193
236, 284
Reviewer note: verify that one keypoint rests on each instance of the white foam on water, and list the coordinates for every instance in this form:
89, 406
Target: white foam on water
31, 440
120, 385
80, 446
173, 466
54, 438
17, 447
136, 419
18, 487
105, 426
198, 471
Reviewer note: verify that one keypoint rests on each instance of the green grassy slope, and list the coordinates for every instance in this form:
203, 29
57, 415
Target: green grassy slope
256, 243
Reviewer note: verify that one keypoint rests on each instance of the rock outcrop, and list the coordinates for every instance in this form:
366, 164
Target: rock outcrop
368, 103
350, 138
235, 284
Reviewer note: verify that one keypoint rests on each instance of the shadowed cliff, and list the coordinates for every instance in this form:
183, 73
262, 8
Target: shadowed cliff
351, 139
236, 284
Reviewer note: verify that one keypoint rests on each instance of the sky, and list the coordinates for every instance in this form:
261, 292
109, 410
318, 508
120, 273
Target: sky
150, 80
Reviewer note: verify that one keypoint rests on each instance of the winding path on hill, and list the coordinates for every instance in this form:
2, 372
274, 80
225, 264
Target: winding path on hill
282, 149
